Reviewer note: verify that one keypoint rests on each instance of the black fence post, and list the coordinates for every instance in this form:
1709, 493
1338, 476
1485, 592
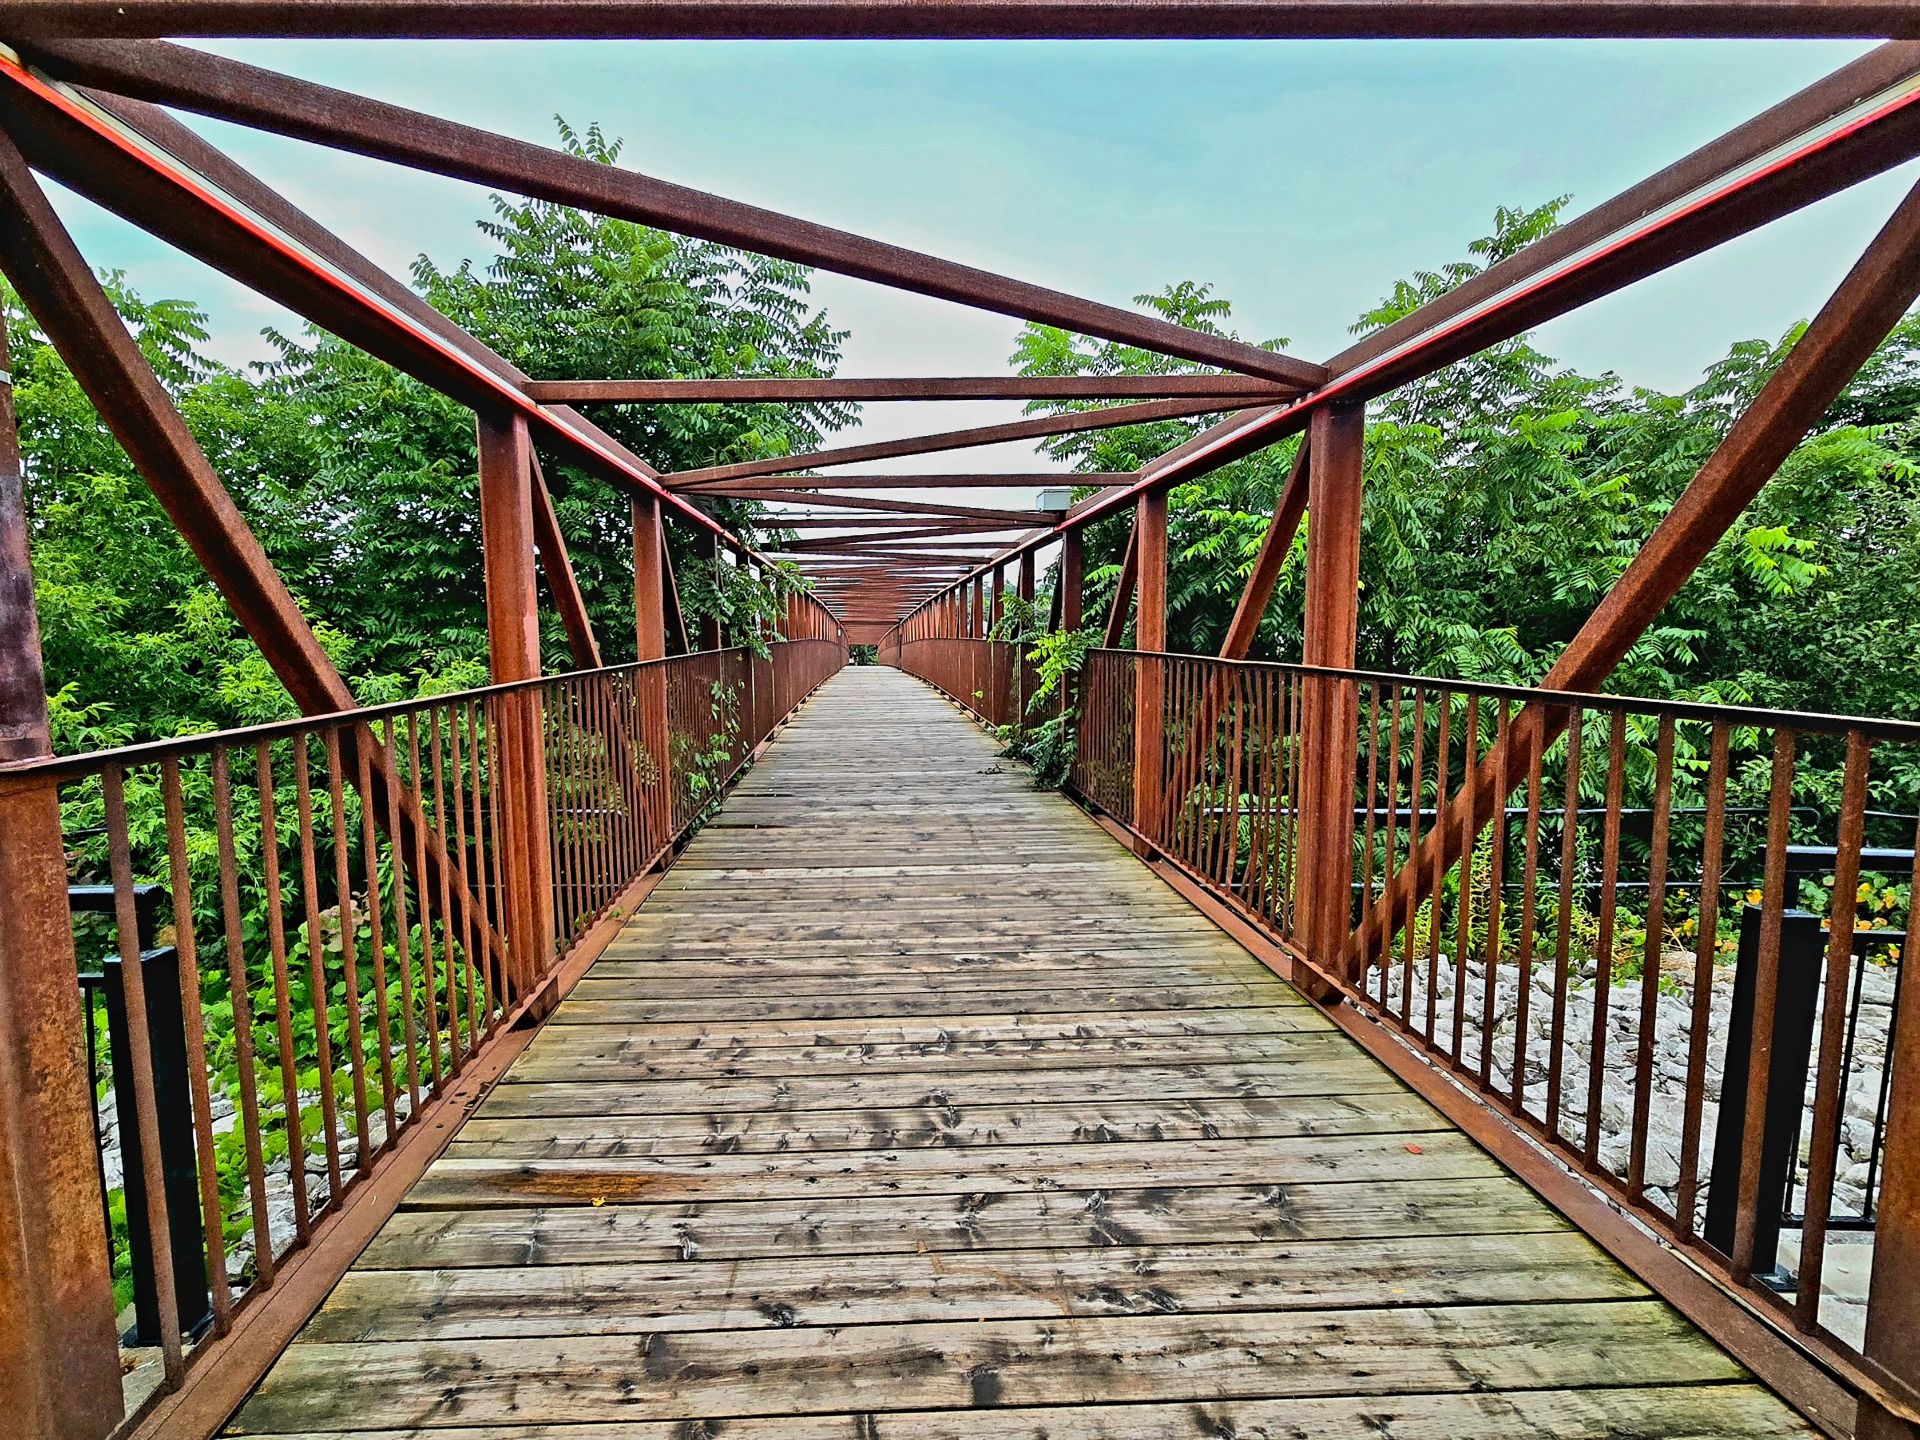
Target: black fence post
1802, 946
173, 1100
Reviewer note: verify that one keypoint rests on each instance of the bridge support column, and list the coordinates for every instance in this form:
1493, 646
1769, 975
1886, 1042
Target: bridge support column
1073, 579
61, 1374
1150, 637
1323, 861
1893, 1300
650, 643
513, 645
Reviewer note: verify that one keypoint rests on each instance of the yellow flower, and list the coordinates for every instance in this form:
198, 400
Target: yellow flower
1753, 897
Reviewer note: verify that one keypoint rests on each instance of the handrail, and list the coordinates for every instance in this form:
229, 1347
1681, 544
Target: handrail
43, 768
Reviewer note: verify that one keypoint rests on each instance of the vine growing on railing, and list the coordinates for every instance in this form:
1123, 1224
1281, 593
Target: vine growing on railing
751, 609
708, 762
1042, 732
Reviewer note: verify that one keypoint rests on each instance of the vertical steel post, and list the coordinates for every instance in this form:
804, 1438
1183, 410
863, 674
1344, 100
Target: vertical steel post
60, 1376
513, 647
1323, 861
710, 557
649, 580
1150, 636
1073, 568
650, 643
1893, 1300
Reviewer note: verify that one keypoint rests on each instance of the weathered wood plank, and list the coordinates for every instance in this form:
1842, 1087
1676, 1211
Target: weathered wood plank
938, 1124
583, 1054
625, 1093
1111, 1219
881, 1005
1057, 1361
978, 1170
1690, 1412
622, 1299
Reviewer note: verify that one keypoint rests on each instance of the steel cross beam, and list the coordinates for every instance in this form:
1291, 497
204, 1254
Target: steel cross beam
1070, 479
1108, 417
265, 99
972, 19
755, 389
926, 523
932, 508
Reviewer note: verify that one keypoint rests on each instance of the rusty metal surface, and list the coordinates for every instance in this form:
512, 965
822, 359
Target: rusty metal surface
973, 19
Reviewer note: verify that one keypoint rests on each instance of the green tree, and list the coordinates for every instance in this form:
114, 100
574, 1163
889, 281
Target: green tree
360, 482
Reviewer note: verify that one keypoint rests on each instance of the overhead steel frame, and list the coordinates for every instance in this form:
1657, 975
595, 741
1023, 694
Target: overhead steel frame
108, 141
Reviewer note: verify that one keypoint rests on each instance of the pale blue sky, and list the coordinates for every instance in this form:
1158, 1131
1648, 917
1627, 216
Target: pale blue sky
1299, 178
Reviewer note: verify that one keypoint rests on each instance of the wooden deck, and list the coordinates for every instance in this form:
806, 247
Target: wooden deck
910, 1104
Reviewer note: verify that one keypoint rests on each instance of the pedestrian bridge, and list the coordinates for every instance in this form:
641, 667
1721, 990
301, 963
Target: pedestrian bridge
733, 1043
911, 1103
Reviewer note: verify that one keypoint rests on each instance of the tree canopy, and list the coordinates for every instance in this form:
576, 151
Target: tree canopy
360, 482
1506, 493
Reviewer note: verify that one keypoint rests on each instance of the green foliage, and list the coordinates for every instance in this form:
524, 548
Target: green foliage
707, 761
1506, 493
360, 482
1043, 731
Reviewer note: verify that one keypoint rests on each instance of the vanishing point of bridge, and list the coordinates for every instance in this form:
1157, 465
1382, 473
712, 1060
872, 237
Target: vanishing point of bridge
910, 1103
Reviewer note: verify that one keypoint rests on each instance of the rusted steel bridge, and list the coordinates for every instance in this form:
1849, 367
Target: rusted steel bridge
1326, 1061
796, 1157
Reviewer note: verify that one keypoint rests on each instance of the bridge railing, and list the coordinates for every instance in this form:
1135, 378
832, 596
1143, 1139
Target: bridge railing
1661, 943
337, 923
991, 678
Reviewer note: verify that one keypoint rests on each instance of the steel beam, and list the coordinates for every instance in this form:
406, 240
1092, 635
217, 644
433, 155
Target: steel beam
59, 288
1149, 636
61, 1377
649, 580
1862, 312
557, 565
749, 488
513, 652
1323, 860
1275, 546
924, 524
1035, 427
247, 95
876, 505
774, 389
1859, 122
92, 152
972, 19
1122, 604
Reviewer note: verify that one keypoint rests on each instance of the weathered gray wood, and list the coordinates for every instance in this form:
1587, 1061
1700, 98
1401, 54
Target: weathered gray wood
1110, 1219
911, 1105
1691, 1412
938, 1124
1057, 1361
979, 1170
936, 1085
621, 1299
